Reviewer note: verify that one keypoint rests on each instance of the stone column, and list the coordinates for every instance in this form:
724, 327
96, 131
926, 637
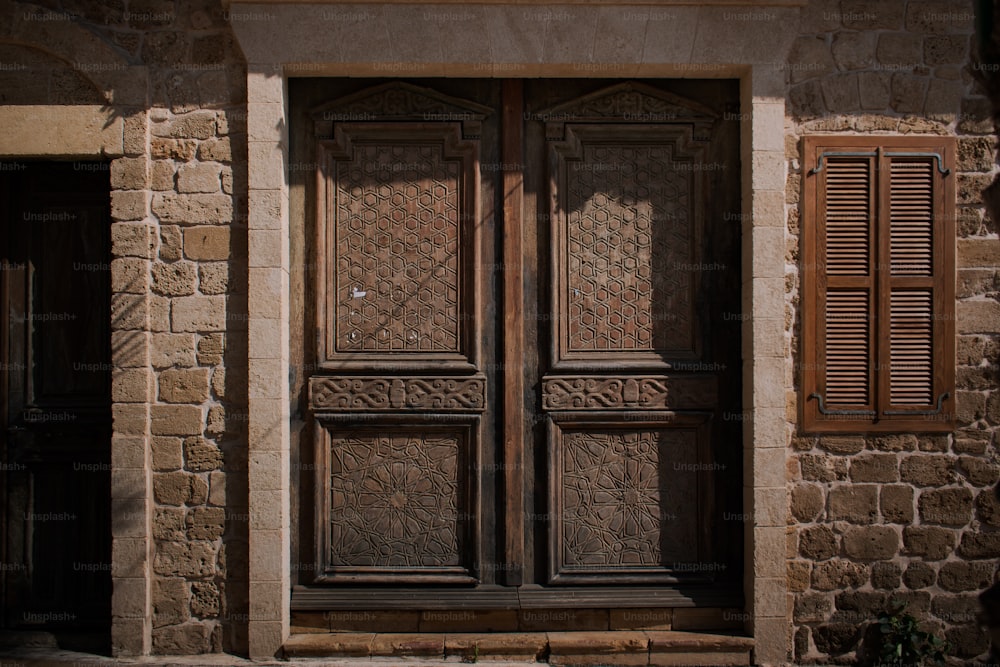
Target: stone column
133, 247
765, 360
268, 362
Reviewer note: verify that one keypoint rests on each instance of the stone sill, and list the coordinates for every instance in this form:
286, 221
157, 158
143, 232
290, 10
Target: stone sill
749, 4
557, 648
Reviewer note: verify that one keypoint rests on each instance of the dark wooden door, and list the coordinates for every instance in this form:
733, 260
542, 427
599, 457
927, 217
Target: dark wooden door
634, 301
56, 437
404, 337
527, 342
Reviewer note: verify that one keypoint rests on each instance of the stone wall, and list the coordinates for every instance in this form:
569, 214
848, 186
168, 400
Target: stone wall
193, 184
177, 82
198, 414
905, 516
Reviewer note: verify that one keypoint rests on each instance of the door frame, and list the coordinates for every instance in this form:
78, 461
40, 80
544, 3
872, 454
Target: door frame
754, 49
98, 135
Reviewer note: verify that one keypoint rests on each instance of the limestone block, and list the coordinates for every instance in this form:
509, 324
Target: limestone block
129, 274
133, 239
875, 468
198, 314
185, 639
855, 503
199, 177
172, 349
210, 349
215, 150
947, 507
193, 209
928, 470
130, 173
929, 542
958, 576
207, 243
871, 542
170, 602
201, 455
128, 205
213, 277
130, 385
838, 574
896, 503
807, 502
817, 543
172, 149
854, 50
167, 453
184, 386
161, 175
176, 420
175, 278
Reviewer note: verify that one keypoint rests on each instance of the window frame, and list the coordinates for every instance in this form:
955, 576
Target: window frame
814, 284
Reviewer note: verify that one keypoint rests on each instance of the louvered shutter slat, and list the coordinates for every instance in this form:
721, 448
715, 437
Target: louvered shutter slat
911, 345
848, 217
847, 347
911, 217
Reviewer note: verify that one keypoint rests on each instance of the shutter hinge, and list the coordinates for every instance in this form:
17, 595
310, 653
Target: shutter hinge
921, 413
854, 413
819, 167
937, 156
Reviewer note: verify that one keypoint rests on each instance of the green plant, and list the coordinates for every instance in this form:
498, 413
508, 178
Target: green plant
474, 658
902, 642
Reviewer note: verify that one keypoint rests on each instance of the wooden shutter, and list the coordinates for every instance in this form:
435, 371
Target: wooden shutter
846, 299
878, 284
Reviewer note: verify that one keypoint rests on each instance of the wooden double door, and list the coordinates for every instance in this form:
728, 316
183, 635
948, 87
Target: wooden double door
519, 372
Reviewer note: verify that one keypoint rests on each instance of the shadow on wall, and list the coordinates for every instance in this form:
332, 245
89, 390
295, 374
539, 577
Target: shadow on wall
31, 76
179, 209
990, 598
988, 76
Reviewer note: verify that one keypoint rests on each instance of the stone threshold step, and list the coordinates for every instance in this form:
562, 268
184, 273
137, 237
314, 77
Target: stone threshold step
648, 647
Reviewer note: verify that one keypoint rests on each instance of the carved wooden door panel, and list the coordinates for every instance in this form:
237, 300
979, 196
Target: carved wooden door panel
400, 391
638, 292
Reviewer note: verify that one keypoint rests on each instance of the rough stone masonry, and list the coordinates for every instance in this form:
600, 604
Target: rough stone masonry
909, 516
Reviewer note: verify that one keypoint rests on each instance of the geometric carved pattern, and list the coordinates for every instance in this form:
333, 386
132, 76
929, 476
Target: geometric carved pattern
382, 393
628, 499
629, 253
395, 500
397, 100
629, 100
397, 249
650, 393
